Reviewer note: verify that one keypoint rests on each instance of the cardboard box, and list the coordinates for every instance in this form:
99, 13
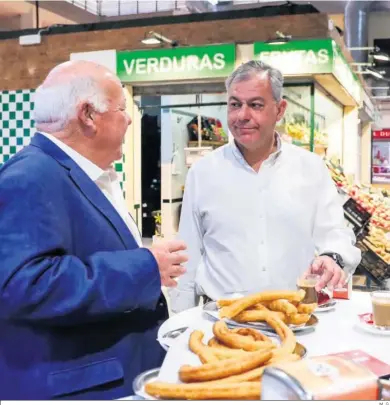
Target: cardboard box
376, 366
344, 293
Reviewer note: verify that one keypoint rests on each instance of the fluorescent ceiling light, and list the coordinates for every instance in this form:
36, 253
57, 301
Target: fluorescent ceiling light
154, 38
279, 39
375, 73
381, 56
151, 41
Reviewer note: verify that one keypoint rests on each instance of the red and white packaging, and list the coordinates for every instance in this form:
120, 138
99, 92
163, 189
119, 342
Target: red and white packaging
344, 293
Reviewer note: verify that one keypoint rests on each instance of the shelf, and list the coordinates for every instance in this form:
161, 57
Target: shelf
207, 143
318, 145
381, 175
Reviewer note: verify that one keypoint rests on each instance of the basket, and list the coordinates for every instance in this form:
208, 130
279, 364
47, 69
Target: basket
375, 265
356, 215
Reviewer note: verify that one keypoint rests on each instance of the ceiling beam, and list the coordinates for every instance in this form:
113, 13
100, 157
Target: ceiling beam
68, 11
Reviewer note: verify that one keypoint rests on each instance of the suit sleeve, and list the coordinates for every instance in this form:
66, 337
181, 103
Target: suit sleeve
41, 282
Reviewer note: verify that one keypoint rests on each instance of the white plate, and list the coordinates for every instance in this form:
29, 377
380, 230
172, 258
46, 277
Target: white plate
371, 328
211, 309
329, 306
176, 321
141, 380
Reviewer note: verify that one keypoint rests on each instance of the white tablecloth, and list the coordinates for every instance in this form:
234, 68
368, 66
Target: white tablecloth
337, 331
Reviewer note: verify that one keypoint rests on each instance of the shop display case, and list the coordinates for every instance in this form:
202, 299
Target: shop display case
206, 132
312, 120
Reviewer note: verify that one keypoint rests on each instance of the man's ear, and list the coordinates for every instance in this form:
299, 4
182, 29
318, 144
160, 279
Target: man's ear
282, 105
86, 114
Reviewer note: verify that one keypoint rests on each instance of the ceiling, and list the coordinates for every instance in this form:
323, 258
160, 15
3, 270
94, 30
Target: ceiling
113, 8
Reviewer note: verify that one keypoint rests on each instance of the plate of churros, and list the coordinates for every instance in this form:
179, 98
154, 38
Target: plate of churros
253, 309
228, 364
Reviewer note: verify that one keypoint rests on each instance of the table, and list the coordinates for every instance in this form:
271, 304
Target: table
337, 330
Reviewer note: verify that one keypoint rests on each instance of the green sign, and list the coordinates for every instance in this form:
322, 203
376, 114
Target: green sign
183, 63
345, 75
307, 57
297, 57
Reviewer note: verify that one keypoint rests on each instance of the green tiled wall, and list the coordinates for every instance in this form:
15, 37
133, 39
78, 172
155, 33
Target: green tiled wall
17, 124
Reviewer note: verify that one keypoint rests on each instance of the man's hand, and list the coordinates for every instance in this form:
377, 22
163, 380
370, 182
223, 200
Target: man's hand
331, 274
169, 257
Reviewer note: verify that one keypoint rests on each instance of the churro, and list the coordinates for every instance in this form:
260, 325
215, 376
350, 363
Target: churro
298, 319
235, 359
243, 303
224, 368
255, 334
283, 306
283, 359
287, 337
236, 341
253, 315
225, 302
307, 308
197, 346
259, 307
205, 390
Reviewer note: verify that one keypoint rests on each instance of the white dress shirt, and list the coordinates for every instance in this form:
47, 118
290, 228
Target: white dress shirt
106, 180
249, 231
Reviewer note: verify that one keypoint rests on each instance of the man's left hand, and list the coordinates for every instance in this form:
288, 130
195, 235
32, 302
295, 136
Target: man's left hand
332, 275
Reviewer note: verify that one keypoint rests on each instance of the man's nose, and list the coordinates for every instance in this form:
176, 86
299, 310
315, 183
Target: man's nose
244, 113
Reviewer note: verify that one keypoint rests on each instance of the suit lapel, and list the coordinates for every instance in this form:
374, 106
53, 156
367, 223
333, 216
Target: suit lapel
90, 190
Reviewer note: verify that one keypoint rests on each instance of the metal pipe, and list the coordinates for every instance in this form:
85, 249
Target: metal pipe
37, 14
362, 48
356, 33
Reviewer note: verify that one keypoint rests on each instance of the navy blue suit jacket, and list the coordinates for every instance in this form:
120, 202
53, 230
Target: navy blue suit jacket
80, 303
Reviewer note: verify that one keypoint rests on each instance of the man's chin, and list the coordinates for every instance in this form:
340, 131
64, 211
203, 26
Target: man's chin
245, 141
119, 154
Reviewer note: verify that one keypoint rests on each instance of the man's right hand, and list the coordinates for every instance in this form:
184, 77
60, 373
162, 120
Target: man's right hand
169, 257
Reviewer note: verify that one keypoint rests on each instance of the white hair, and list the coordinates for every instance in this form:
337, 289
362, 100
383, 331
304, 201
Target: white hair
55, 105
253, 67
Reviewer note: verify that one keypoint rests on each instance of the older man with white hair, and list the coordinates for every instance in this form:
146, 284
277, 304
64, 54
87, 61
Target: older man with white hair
257, 213
80, 298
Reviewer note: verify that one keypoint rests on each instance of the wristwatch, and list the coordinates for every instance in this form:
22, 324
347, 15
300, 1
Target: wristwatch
336, 257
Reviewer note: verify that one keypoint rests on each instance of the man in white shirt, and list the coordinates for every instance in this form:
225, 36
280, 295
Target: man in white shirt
80, 298
257, 213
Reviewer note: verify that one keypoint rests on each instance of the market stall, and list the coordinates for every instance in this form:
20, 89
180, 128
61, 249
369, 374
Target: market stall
182, 89
367, 212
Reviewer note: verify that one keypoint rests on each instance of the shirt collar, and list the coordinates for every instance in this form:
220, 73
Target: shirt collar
271, 158
93, 171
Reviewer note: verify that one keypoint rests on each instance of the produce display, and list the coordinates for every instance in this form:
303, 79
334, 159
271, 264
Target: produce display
375, 201
211, 129
378, 242
338, 176
233, 360
298, 129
